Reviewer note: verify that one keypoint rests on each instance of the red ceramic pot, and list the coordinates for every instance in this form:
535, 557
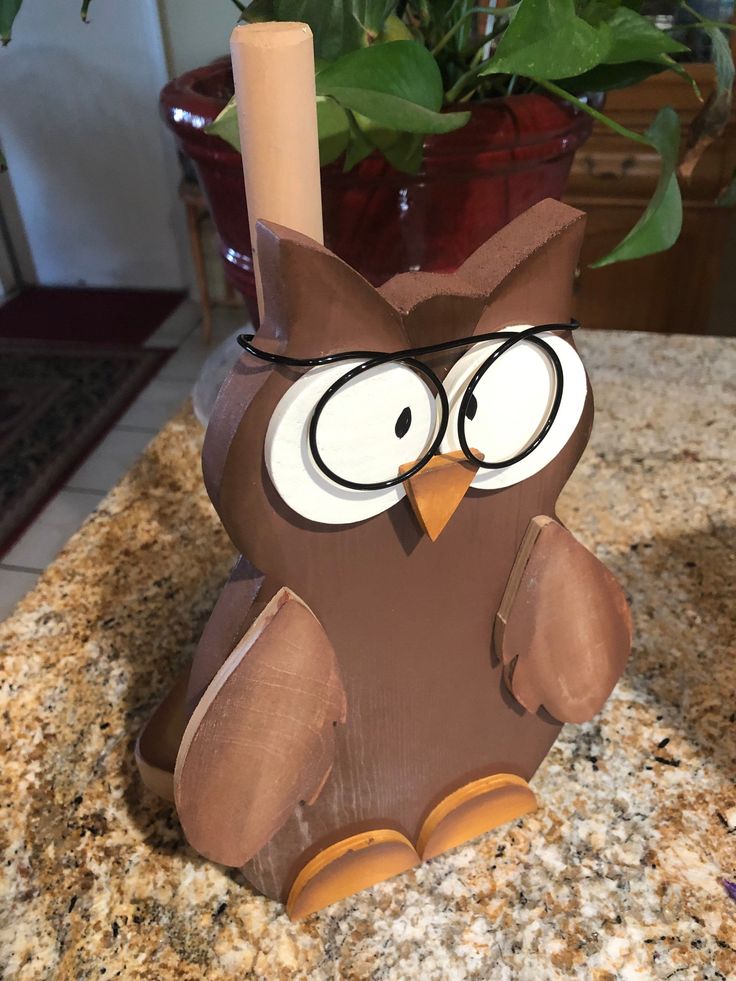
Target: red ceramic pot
514, 152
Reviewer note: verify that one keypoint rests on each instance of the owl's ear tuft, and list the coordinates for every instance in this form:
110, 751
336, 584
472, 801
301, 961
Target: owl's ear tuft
525, 272
522, 274
316, 302
550, 231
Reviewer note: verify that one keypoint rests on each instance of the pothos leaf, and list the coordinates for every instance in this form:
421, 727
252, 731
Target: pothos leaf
546, 39
259, 11
604, 78
406, 154
393, 112
595, 11
713, 118
404, 69
332, 124
8, 12
722, 58
659, 226
338, 26
397, 85
394, 29
339, 132
402, 150
680, 69
334, 129
372, 14
333, 26
634, 38
226, 125
359, 146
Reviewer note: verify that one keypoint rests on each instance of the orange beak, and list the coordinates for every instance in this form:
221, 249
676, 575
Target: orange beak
436, 491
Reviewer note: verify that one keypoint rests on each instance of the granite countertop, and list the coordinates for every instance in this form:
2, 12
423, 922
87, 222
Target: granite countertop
617, 875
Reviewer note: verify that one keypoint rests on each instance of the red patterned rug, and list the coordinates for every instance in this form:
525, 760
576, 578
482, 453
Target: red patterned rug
70, 364
89, 315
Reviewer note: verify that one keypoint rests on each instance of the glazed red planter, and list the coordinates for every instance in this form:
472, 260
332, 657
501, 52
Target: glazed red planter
514, 152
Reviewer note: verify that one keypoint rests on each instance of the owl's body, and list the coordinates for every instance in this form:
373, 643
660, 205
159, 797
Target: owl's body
427, 706
409, 699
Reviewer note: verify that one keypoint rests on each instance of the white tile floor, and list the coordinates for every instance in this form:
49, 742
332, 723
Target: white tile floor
62, 516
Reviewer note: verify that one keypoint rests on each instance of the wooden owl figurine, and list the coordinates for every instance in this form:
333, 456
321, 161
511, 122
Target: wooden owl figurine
409, 625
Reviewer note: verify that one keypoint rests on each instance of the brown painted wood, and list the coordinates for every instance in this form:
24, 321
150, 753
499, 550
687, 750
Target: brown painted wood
410, 620
234, 612
261, 738
563, 629
160, 738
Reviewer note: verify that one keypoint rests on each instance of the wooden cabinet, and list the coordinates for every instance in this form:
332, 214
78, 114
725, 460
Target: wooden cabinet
612, 180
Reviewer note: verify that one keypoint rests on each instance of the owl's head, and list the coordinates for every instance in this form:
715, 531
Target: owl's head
351, 401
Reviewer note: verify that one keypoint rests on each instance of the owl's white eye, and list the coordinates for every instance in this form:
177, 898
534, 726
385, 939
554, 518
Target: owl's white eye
511, 404
379, 420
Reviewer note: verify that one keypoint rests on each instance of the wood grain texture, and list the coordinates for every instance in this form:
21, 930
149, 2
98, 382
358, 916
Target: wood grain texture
236, 393
302, 281
381, 588
261, 739
159, 740
273, 72
242, 598
410, 619
563, 629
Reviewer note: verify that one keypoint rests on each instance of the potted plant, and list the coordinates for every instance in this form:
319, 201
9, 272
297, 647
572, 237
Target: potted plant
440, 120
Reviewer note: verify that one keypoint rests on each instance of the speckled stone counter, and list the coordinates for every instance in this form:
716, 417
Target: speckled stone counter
618, 875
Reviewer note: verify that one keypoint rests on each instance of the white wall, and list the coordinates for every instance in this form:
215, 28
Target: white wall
92, 169
196, 31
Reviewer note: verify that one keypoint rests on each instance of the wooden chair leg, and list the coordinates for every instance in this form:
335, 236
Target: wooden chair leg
231, 297
200, 269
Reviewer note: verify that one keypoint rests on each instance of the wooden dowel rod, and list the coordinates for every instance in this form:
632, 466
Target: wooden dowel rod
273, 68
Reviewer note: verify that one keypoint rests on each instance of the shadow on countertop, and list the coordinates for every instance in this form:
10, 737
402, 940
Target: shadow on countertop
683, 593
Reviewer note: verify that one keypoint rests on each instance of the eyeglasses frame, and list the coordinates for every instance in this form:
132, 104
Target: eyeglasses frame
372, 359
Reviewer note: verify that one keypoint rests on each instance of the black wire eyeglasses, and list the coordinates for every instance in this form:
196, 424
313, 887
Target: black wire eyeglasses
468, 405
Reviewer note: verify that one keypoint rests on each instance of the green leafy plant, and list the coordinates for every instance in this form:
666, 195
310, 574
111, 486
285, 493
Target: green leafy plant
389, 73
9, 10
386, 69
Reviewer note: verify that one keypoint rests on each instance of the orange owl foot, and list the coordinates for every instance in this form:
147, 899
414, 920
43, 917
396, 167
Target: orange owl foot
347, 867
474, 809
360, 862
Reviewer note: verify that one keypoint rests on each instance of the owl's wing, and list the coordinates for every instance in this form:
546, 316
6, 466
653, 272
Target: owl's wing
262, 738
563, 630
240, 601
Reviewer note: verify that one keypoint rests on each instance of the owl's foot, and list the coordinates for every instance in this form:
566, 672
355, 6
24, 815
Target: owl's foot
347, 867
473, 809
